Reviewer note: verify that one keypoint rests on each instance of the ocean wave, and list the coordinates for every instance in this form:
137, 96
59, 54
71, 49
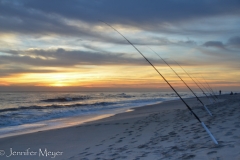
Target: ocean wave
66, 99
35, 107
56, 106
120, 95
31, 114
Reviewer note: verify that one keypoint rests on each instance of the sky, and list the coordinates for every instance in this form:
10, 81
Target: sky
64, 45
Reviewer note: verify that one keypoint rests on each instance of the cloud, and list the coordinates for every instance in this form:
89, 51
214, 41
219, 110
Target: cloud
224, 58
13, 71
61, 57
69, 34
234, 42
231, 45
135, 11
216, 44
62, 17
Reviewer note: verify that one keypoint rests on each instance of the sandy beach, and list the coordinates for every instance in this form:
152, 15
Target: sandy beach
161, 131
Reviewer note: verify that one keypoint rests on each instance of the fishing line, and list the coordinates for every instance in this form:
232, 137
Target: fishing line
192, 79
209, 86
204, 126
207, 89
183, 82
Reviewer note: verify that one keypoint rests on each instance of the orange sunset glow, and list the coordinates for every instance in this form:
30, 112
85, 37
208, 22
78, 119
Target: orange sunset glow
75, 51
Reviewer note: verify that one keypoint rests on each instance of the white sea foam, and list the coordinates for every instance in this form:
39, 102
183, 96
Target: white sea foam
28, 110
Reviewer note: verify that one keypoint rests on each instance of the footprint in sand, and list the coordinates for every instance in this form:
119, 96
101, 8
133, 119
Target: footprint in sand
228, 134
212, 152
186, 156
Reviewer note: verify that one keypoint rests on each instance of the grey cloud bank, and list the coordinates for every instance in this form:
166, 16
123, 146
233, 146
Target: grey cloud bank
208, 30
34, 16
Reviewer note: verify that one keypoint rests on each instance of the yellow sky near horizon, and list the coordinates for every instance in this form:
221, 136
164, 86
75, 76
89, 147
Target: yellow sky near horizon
119, 77
55, 49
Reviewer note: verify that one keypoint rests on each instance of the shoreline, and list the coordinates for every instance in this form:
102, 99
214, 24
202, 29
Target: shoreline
159, 131
63, 122
94, 118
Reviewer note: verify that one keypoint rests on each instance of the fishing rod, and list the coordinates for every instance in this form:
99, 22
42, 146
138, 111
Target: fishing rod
207, 90
209, 86
184, 83
204, 126
194, 81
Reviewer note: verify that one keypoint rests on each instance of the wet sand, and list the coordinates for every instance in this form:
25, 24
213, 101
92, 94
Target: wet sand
161, 131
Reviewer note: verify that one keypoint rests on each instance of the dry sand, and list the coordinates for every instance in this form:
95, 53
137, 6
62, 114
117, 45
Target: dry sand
161, 131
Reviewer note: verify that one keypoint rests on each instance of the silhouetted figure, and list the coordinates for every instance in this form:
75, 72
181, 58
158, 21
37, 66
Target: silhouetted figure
231, 93
220, 92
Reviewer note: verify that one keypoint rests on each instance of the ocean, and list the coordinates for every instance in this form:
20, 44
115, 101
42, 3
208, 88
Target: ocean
25, 112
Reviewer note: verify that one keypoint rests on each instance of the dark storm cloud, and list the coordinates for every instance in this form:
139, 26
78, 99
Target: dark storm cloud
44, 16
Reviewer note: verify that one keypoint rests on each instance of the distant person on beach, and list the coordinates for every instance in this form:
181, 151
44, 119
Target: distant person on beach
231, 93
220, 92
